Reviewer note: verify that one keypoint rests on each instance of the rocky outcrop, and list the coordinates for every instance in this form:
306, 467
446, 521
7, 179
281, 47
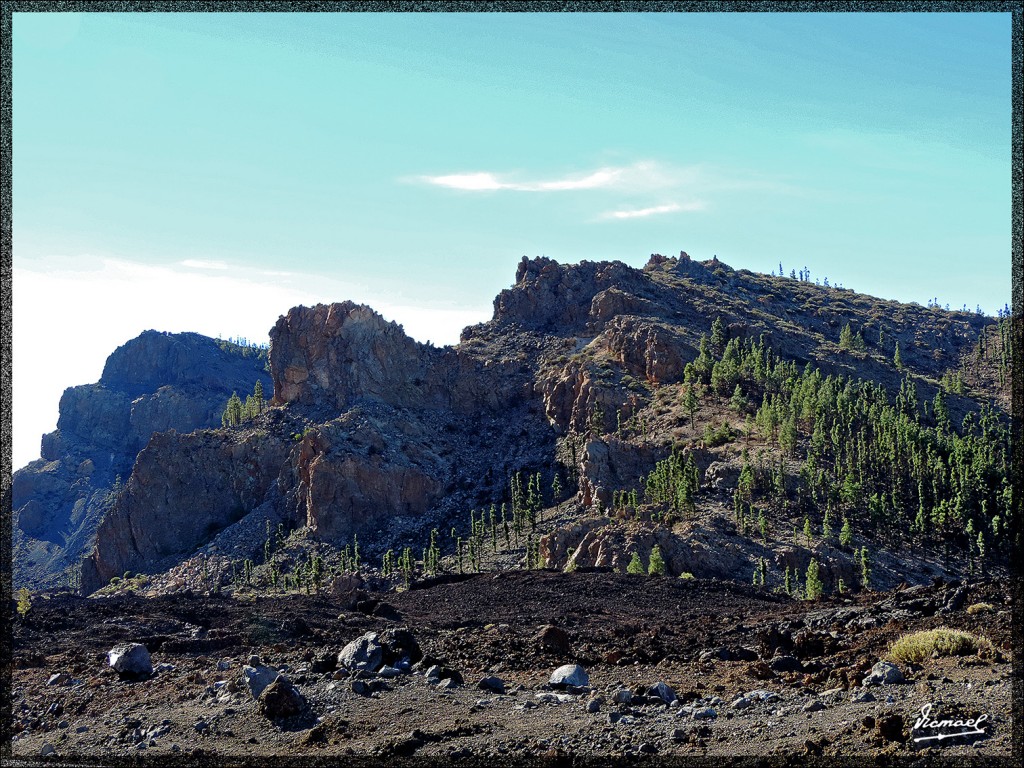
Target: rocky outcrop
152, 383
558, 298
182, 491
338, 355
348, 476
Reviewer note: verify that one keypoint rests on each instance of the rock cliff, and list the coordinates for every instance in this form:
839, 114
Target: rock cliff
155, 382
372, 434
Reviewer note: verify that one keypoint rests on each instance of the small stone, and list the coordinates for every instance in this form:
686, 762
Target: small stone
569, 674
662, 691
706, 713
614, 716
60, 678
813, 706
763, 695
623, 696
864, 696
223, 665
492, 683
388, 672
47, 749
254, 661
594, 705
742, 703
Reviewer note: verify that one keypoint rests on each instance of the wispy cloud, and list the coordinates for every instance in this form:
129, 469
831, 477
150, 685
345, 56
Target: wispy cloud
484, 181
639, 213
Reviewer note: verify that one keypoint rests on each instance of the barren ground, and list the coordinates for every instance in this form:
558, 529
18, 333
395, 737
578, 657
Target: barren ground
626, 631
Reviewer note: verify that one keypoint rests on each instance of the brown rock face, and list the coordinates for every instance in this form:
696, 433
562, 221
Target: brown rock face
342, 479
340, 354
183, 489
552, 296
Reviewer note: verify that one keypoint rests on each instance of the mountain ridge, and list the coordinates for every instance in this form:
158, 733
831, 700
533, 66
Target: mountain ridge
372, 434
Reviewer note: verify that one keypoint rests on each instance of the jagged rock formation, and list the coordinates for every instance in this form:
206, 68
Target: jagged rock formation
374, 434
155, 382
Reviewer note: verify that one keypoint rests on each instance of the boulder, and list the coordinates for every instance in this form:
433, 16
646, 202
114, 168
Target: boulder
883, 673
399, 644
569, 674
281, 700
130, 660
438, 674
662, 691
258, 678
785, 664
554, 639
492, 683
363, 653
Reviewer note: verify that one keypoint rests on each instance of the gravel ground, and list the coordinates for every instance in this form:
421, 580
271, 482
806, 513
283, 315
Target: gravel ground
791, 684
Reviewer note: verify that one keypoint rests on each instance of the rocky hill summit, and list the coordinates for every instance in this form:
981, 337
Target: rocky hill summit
685, 418
151, 384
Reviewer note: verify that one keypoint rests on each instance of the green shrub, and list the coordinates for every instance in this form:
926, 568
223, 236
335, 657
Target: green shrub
918, 646
977, 608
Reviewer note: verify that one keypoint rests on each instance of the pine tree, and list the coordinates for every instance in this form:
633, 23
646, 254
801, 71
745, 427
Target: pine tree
636, 566
865, 568
718, 335
690, 403
897, 358
807, 531
814, 588
846, 534
656, 566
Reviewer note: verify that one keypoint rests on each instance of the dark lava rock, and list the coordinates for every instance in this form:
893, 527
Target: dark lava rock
281, 700
399, 644
554, 639
890, 727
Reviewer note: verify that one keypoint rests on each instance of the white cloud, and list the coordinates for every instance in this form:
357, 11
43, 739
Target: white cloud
638, 176
487, 182
87, 310
638, 213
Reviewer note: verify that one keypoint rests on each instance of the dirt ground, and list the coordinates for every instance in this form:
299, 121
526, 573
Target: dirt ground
754, 673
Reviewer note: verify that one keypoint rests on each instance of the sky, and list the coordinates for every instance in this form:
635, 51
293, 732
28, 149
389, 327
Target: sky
206, 172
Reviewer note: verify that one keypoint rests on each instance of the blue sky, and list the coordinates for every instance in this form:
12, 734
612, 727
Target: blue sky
202, 162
